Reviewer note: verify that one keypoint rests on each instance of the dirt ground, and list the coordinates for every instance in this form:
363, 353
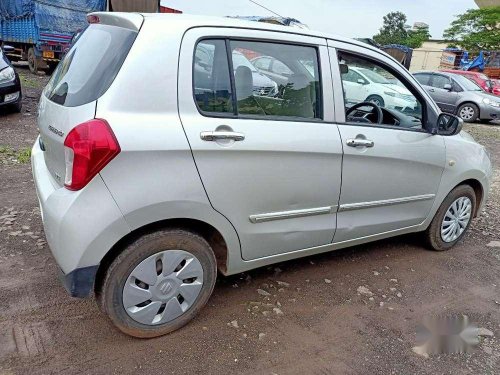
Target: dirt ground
313, 322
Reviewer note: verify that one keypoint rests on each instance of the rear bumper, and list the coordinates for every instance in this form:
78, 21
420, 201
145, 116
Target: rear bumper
80, 226
79, 283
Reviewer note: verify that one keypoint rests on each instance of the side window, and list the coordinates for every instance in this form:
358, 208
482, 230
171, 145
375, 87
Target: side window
375, 95
440, 81
455, 86
423, 78
211, 78
294, 94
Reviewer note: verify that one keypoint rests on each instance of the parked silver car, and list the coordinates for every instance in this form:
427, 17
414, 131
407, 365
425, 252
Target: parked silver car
459, 95
151, 178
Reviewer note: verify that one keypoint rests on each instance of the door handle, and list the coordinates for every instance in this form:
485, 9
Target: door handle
360, 142
432, 90
220, 135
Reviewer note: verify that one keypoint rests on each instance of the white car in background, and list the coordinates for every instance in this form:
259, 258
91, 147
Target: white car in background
366, 85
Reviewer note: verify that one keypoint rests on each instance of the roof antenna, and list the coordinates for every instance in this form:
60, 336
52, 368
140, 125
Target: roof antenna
262, 6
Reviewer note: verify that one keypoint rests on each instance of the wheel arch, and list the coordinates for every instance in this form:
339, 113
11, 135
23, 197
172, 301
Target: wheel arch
478, 190
211, 234
469, 102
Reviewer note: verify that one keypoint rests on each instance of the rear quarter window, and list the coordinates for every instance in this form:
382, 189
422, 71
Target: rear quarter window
90, 66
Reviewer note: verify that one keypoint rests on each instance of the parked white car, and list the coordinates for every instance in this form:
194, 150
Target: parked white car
152, 177
362, 84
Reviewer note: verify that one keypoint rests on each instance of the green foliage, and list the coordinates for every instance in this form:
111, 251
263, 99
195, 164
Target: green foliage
22, 155
476, 29
395, 31
417, 37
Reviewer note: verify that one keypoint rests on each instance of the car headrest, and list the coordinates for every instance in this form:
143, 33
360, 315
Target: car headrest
243, 82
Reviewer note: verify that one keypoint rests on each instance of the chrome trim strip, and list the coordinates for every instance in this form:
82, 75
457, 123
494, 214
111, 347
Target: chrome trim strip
291, 214
385, 202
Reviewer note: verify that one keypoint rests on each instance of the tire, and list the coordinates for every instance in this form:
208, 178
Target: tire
119, 279
433, 234
468, 112
32, 61
376, 99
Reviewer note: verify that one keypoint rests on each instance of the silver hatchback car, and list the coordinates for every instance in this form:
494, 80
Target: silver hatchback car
153, 173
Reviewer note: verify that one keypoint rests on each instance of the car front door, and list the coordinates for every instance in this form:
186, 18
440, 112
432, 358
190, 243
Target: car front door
392, 167
443, 94
270, 165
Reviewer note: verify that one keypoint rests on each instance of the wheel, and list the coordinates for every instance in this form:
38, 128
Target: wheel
468, 112
32, 60
376, 99
452, 219
158, 283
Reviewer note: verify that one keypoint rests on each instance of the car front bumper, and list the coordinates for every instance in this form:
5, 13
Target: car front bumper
488, 112
80, 226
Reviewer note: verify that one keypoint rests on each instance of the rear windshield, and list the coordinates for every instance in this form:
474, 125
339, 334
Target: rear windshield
90, 66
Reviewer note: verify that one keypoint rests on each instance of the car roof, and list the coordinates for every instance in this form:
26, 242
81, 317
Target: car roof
187, 21
437, 72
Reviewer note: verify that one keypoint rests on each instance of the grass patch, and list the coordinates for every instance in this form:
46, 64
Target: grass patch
21, 156
30, 82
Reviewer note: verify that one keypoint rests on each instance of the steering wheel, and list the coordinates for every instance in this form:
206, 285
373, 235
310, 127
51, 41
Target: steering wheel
378, 110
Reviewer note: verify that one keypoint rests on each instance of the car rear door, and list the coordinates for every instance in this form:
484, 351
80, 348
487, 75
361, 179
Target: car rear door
271, 165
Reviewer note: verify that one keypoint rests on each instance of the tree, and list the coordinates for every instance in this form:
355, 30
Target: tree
393, 30
476, 30
417, 37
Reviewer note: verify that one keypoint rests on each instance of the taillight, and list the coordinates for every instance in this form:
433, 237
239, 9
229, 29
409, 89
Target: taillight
87, 149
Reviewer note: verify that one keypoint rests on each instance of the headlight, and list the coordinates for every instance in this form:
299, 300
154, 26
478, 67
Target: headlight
390, 93
493, 103
7, 75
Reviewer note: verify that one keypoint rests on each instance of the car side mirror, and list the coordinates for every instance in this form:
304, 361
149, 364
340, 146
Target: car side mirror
362, 81
447, 87
448, 124
8, 49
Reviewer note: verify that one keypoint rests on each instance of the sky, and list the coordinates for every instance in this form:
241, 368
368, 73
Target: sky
350, 18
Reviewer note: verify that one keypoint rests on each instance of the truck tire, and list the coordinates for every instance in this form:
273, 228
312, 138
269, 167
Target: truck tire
32, 61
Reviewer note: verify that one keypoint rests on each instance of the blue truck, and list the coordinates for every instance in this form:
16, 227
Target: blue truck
41, 31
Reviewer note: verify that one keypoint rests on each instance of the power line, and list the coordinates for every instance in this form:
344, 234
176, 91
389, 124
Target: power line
262, 6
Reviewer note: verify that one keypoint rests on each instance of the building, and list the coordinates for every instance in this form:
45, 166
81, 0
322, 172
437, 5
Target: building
428, 57
487, 3
420, 25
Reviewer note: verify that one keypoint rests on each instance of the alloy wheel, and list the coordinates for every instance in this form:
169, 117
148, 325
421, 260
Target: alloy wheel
163, 287
456, 219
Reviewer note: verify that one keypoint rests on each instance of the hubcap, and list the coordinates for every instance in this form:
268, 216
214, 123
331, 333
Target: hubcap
163, 287
456, 219
466, 113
